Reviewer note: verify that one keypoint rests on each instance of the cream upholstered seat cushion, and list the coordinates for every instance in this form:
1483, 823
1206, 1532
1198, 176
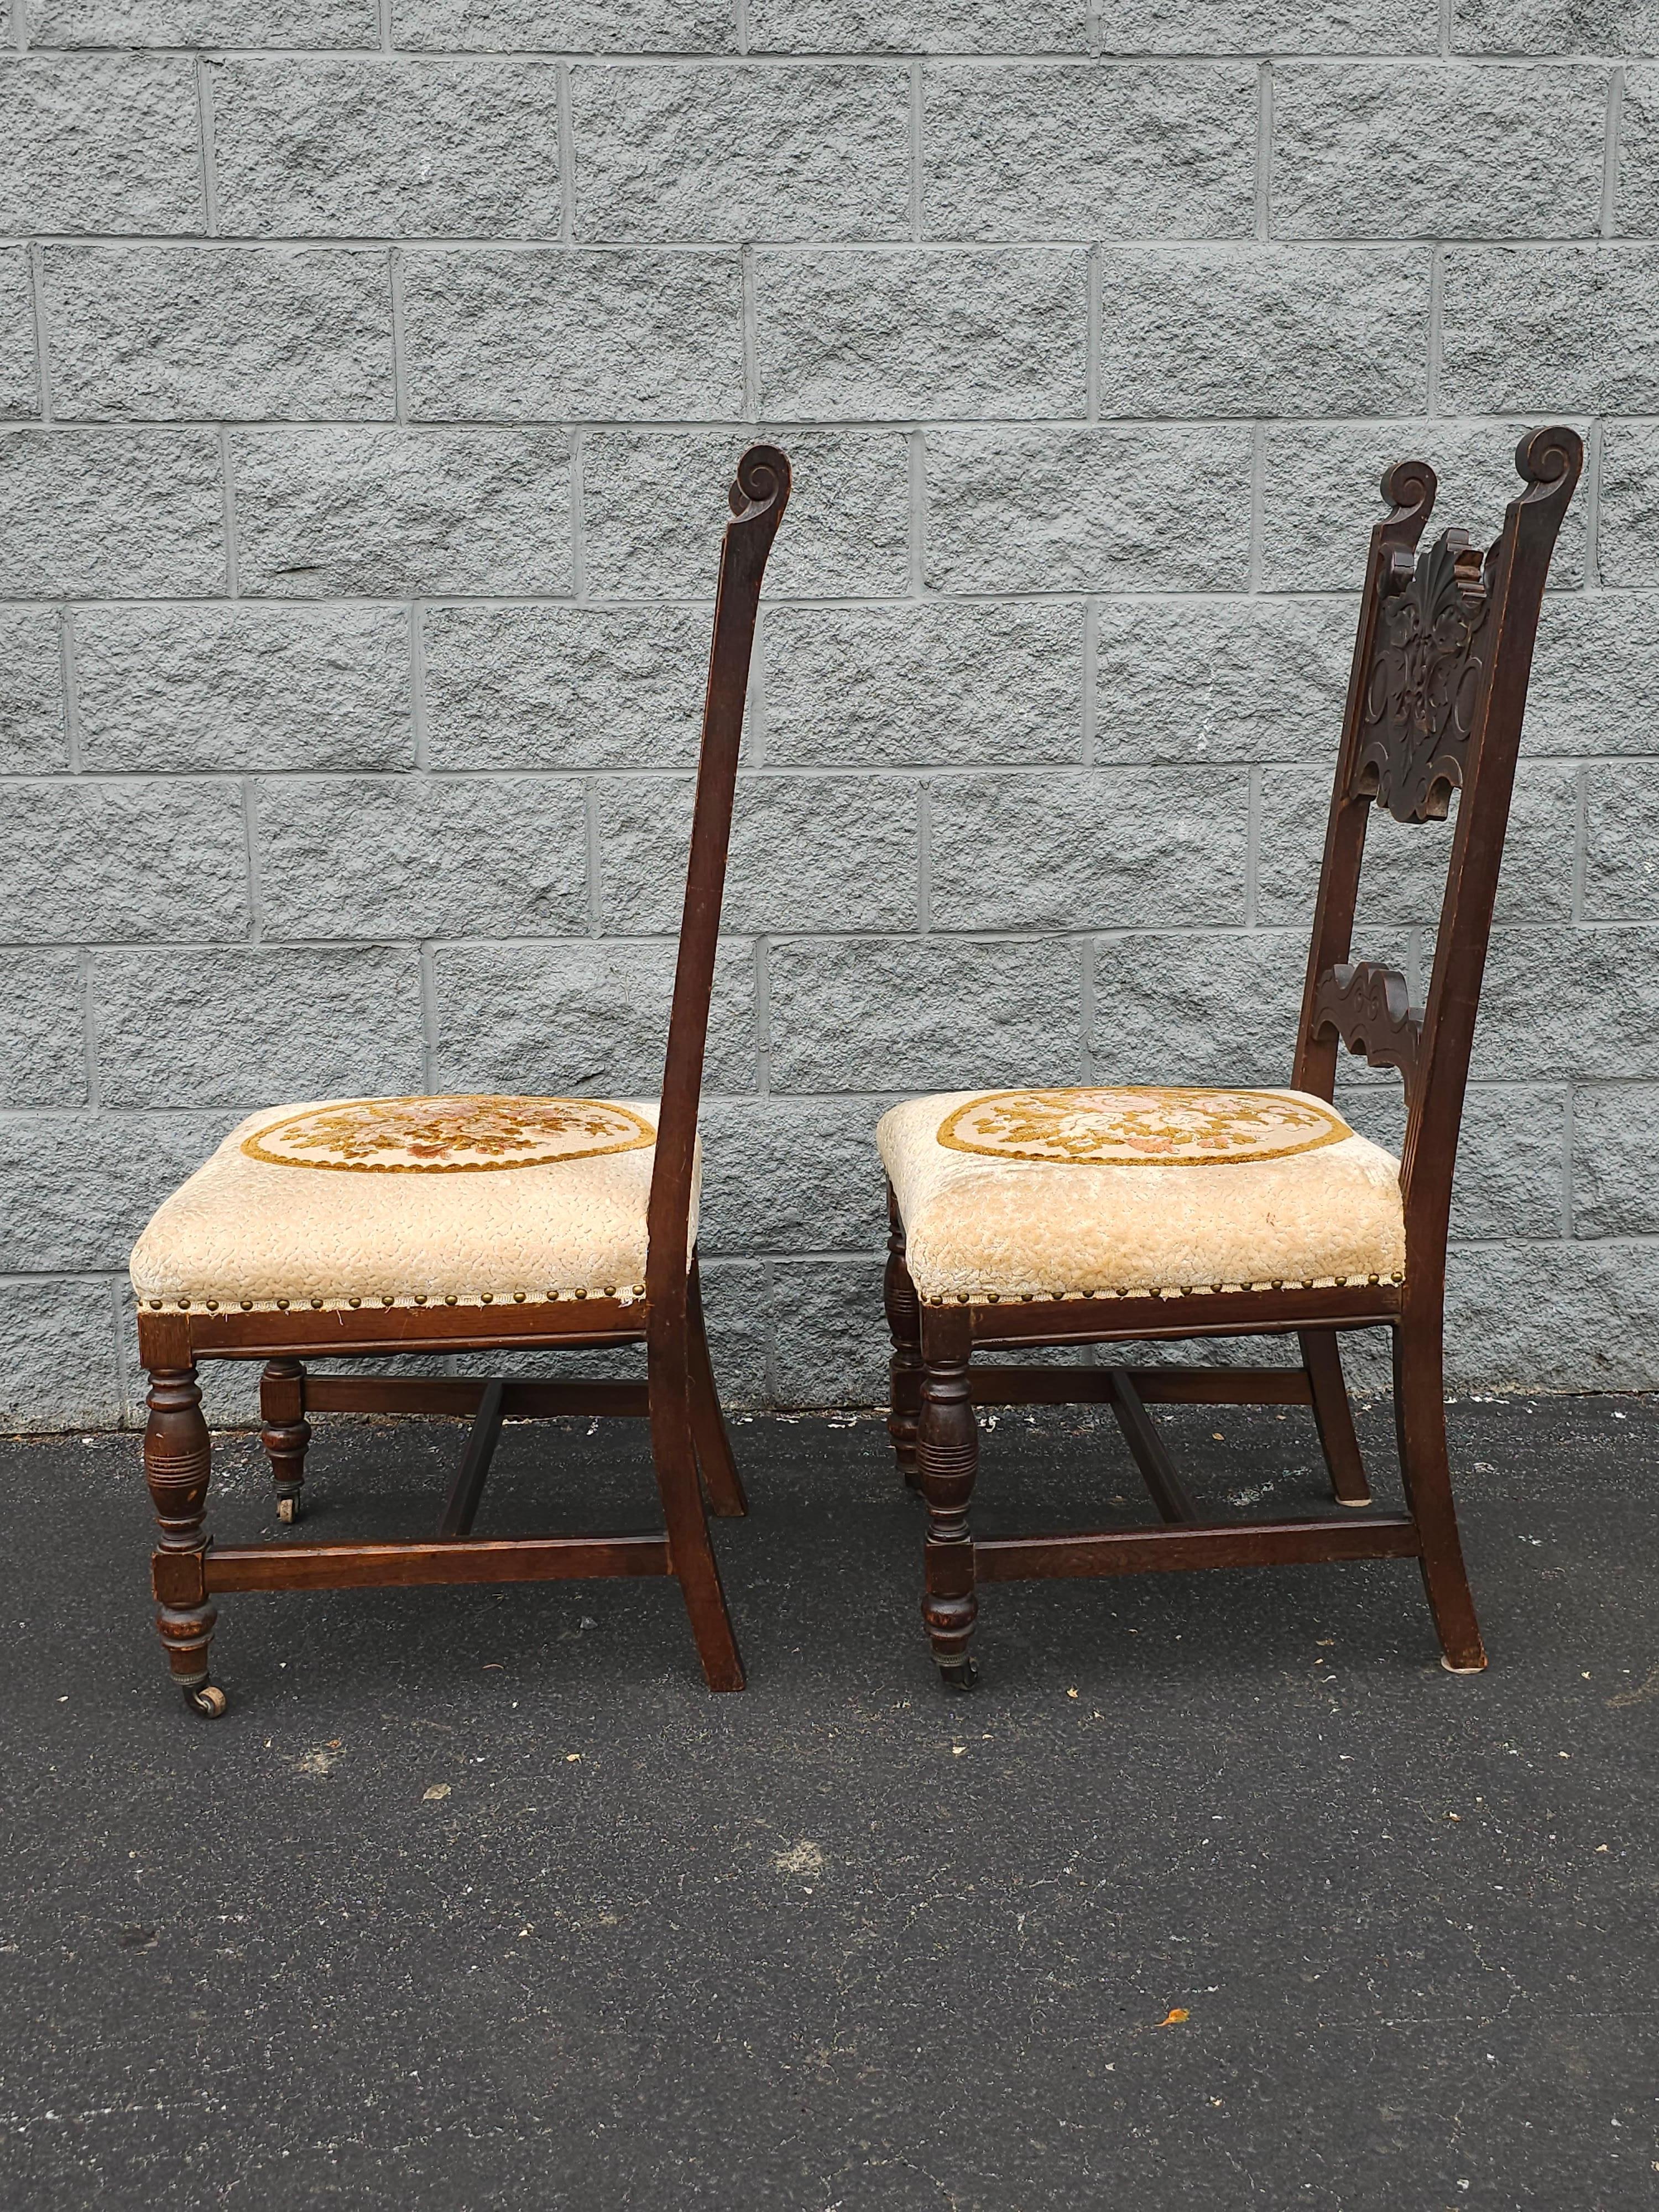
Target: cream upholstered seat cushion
1117, 1191
401, 1201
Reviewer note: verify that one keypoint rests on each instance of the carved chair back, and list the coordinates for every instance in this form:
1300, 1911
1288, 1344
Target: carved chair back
1435, 703
758, 500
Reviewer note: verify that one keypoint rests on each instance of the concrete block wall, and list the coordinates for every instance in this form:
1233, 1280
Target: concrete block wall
371, 371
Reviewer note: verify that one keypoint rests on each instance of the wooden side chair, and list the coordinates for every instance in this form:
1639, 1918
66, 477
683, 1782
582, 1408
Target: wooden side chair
356, 1228
1101, 1216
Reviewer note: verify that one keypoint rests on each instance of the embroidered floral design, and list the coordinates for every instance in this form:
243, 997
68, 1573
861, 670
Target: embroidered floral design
1136, 1127
448, 1136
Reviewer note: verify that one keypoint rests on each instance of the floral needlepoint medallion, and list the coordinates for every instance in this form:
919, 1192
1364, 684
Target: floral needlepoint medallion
1140, 1128
448, 1136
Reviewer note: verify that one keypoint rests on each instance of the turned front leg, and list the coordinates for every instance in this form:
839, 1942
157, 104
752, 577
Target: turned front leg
178, 1465
286, 1432
904, 1327
947, 1460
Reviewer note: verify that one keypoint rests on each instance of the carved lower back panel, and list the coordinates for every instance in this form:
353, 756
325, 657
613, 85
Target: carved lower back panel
1369, 1009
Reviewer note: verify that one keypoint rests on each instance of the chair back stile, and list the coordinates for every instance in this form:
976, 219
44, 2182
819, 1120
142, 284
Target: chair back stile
758, 500
1436, 699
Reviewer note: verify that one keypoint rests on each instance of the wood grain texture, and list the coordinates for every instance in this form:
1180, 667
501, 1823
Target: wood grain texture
1150, 1550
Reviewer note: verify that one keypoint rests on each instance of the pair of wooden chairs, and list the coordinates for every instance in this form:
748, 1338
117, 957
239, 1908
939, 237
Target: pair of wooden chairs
359, 1228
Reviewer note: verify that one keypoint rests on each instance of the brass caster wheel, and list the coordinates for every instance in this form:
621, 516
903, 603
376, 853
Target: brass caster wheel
963, 1675
288, 1510
209, 1698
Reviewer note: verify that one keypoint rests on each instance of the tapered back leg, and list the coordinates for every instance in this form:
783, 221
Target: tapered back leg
715, 1463
1321, 1358
1420, 1413
674, 1454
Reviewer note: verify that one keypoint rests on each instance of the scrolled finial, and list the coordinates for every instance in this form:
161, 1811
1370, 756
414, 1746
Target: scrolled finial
1409, 488
763, 479
1551, 458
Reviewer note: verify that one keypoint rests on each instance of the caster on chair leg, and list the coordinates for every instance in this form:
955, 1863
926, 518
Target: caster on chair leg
960, 1675
207, 1698
291, 1510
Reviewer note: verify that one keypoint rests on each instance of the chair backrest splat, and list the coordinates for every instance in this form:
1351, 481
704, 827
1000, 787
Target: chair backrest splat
1438, 688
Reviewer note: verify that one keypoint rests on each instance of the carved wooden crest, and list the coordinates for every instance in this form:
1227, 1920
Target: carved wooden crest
1425, 680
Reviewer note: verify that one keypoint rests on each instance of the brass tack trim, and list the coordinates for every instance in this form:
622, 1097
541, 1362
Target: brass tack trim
486, 1298
518, 1297
354, 1301
450, 1300
282, 1305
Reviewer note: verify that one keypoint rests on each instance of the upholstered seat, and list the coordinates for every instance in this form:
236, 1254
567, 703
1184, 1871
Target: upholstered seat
1101, 1192
473, 1200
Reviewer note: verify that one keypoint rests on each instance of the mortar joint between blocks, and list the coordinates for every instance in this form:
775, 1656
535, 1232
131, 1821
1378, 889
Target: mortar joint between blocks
1610, 158
248, 790
400, 336
749, 314
208, 155
66, 647
762, 956
1264, 150
566, 133
429, 1033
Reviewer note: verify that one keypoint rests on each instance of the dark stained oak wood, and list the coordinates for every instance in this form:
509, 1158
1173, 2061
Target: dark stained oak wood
947, 1456
1156, 1385
1442, 654
904, 1327
286, 1432
690, 1449
1146, 1448
1143, 1551
673, 1450
405, 1565
1369, 1008
1214, 1313
464, 1394
1328, 1392
721, 1482
572, 1324
177, 1462
465, 1492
